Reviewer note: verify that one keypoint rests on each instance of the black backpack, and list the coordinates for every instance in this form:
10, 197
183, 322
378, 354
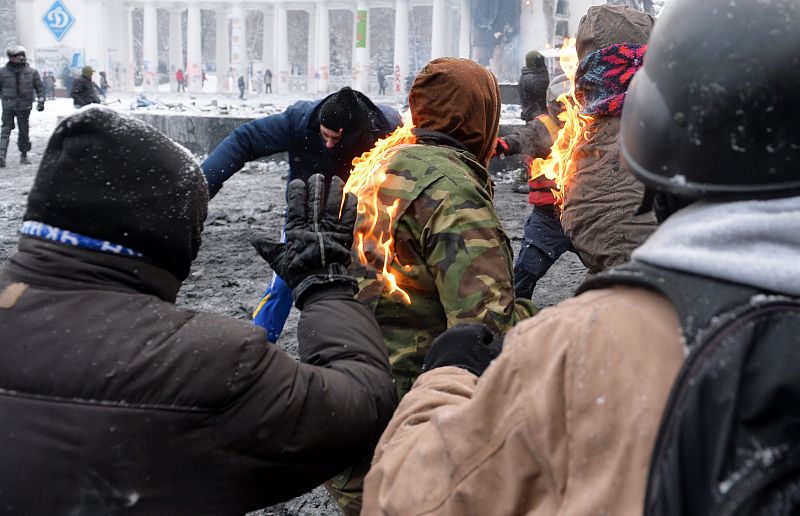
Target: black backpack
729, 438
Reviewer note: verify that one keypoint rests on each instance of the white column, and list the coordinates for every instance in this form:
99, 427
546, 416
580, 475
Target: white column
323, 46
115, 21
268, 43
465, 31
223, 51
280, 76
128, 52
238, 40
175, 47
95, 47
438, 29
26, 18
361, 50
194, 49
401, 69
150, 47
313, 38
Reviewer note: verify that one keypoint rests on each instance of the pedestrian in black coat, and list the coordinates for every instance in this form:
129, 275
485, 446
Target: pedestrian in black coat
84, 90
18, 83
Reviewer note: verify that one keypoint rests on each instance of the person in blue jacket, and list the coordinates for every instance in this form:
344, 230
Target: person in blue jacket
321, 137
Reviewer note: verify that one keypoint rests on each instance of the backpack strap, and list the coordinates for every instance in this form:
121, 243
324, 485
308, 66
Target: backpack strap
696, 299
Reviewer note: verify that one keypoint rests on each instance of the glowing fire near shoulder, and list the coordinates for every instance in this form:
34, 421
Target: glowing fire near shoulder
374, 241
558, 165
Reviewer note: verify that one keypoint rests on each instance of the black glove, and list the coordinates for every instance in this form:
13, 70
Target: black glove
468, 346
40, 106
318, 239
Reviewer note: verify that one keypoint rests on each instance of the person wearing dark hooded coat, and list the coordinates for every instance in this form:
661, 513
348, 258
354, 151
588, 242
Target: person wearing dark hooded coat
122, 402
321, 137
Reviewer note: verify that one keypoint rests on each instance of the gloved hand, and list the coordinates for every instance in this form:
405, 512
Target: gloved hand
40, 106
468, 346
318, 239
500, 148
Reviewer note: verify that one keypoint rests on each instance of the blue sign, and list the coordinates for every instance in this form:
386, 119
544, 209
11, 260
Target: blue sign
58, 19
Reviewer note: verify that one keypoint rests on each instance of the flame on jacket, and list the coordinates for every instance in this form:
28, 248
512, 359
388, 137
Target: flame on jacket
558, 164
374, 244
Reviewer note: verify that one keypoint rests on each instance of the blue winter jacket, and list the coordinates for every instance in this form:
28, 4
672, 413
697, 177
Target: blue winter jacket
296, 131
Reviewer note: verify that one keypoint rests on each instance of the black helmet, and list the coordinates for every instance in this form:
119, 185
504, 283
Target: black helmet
15, 50
714, 112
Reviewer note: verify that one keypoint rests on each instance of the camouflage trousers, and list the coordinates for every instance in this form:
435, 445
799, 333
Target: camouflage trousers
347, 488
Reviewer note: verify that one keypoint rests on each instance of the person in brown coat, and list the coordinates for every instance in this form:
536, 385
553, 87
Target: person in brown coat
565, 419
121, 401
601, 198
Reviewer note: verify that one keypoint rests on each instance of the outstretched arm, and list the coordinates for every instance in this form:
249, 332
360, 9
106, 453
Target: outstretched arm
250, 141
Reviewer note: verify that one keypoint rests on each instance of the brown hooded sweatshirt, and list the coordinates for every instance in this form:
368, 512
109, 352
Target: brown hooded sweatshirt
602, 197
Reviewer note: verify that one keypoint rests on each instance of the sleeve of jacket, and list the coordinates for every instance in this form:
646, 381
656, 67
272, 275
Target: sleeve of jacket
460, 445
77, 91
315, 418
471, 260
38, 86
562, 422
531, 139
250, 141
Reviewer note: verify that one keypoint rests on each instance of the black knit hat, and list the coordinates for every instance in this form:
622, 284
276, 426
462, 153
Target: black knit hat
343, 110
118, 179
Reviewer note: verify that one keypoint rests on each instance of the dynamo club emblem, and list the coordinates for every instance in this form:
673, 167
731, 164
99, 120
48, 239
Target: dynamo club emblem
58, 19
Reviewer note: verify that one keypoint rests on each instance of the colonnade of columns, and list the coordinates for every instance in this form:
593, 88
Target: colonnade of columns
231, 49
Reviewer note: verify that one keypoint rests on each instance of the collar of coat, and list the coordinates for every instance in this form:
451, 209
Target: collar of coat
753, 243
43, 263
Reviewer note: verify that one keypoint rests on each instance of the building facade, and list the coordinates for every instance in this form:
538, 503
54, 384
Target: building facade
140, 43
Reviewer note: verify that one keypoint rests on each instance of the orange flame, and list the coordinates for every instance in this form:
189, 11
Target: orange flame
558, 165
365, 182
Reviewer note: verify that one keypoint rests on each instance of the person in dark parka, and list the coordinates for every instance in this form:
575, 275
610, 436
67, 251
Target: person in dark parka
122, 401
321, 137
18, 83
533, 82
84, 90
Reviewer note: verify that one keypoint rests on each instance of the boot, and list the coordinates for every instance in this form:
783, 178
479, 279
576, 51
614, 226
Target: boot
3, 149
23, 159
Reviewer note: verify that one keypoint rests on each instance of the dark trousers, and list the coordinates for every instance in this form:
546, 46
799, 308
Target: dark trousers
544, 243
23, 142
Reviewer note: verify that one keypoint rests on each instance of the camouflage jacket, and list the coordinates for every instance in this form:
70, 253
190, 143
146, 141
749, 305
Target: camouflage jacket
451, 255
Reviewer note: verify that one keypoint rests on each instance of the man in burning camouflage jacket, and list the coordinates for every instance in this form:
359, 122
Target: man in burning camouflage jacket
451, 259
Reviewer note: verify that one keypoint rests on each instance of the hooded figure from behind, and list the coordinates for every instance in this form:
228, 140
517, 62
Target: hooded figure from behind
533, 84
601, 198
133, 404
451, 255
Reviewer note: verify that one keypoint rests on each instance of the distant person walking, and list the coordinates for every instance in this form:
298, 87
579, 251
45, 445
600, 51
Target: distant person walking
18, 82
241, 87
103, 84
180, 78
381, 82
268, 81
84, 90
